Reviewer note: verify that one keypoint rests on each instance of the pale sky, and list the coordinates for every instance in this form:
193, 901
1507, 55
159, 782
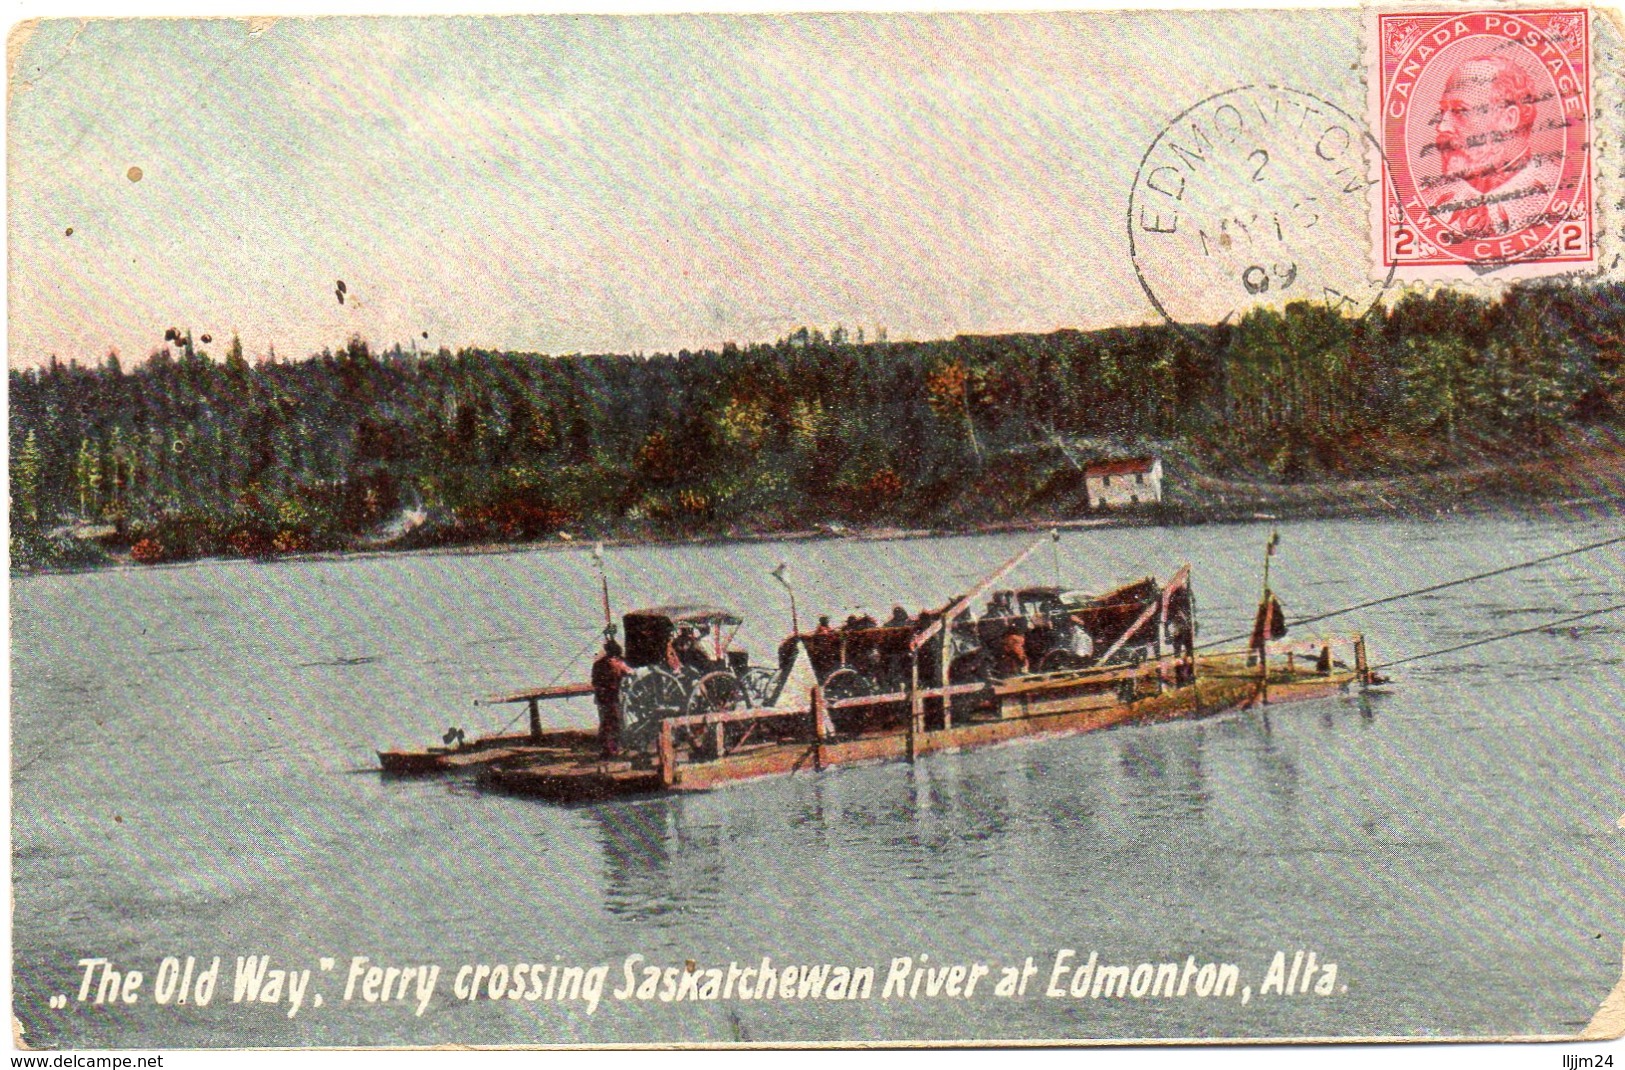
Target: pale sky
562, 184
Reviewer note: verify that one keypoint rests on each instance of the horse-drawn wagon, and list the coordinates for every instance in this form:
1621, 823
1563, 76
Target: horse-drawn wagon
1062, 630
1066, 629
684, 661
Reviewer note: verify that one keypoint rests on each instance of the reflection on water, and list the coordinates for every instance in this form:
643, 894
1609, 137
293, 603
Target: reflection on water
1165, 772
941, 824
655, 861
1367, 705
184, 741
1276, 770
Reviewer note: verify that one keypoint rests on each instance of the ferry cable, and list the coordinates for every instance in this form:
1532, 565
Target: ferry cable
1466, 579
1430, 589
556, 678
1506, 635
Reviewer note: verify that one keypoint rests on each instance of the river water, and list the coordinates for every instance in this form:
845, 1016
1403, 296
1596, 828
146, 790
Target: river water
193, 774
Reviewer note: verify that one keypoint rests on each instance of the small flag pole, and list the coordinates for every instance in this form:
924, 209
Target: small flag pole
780, 575
603, 583
1269, 552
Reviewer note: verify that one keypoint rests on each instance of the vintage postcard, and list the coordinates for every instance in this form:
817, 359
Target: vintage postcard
833, 529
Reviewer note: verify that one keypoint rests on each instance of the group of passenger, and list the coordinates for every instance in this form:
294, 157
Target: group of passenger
684, 651
857, 623
1008, 642
878, 651
1019, 645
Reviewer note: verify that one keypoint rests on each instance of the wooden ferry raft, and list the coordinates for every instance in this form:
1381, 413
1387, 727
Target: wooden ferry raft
704, 751
732, 721
877, 692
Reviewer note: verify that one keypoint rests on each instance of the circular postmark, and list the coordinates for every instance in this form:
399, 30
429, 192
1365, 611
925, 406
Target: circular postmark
1255, 196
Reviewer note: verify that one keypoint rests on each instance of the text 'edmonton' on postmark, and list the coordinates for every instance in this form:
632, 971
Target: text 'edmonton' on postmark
1254, 196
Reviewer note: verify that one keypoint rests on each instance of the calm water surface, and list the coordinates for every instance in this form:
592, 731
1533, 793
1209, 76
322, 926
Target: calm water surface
192, 774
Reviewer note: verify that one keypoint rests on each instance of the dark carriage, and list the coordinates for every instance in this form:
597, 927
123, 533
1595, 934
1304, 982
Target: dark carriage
1038, 613
684, 662
1062, 629
1106, 618
860, 658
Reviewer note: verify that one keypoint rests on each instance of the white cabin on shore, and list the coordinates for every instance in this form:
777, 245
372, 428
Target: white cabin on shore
1125, 483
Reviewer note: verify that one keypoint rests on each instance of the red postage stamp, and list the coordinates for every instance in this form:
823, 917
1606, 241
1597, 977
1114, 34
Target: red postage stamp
1484, 118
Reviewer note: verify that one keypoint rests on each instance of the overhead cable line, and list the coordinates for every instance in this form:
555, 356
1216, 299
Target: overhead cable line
1432, 588
1505, 635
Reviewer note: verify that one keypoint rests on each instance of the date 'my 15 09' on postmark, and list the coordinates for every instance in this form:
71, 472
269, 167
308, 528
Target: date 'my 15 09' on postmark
1253, 196
1485, 123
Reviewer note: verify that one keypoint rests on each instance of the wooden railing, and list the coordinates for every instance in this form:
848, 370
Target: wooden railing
1321, 646
813, 725
814, 717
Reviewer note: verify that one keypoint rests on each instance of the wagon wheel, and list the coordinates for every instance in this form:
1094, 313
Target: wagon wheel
758, 684
1061, 660
644, 701
847, 683
715, 692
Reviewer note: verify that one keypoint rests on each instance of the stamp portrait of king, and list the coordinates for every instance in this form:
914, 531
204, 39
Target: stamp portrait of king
1485, 128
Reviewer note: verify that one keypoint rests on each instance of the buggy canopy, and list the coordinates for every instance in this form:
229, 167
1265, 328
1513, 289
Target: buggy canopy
649, 630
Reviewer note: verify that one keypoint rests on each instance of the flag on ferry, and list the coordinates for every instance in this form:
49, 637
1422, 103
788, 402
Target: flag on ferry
1270, 623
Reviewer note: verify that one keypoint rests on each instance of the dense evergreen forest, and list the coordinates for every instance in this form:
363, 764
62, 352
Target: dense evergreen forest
189, 453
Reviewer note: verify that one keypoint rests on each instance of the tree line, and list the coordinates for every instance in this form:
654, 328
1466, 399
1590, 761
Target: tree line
186, 454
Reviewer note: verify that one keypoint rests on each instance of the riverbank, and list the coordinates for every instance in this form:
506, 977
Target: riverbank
1587, 474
